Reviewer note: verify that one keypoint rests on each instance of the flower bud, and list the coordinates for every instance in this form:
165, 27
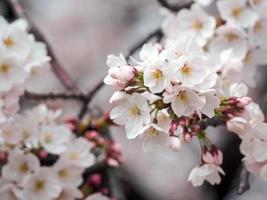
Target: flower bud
174, 143
90, 135
244, 101
95, 180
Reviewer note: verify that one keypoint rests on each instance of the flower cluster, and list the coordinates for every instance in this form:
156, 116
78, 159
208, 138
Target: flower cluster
42, 158
197, 76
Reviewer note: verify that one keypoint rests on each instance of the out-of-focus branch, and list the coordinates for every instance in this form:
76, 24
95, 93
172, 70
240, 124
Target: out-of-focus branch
155, 34
174, 7
54, 96
60, 72
244, 181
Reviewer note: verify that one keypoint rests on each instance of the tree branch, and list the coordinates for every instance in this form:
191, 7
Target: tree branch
174, 7
54, 96
59, 71
244, 181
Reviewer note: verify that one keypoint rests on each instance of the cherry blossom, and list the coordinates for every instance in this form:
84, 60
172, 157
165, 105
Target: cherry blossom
208, 172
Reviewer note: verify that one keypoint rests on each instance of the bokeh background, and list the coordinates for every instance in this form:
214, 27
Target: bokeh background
82, 33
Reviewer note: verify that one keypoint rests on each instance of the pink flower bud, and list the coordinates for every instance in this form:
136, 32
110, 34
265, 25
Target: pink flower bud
174, 143
218, 157
187, 137
244, 101
95, 180
90, 135
120, 76
43, 154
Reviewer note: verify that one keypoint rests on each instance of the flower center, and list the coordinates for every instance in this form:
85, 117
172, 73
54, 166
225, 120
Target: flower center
48, 138
39, 185
157, 74
231, 37
74, 156
186, 70
197, 25
258, 26
182, 96
4, 68
63, 173
152, 132
9, 42
237, 12
134, 111
24, 168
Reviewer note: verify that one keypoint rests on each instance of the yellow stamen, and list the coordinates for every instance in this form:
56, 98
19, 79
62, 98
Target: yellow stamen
63, 174
197, 25
152, 132
182, 96
134, 111
39, 185
186, 70
237, 12
157, 74
231, 37
48, 138
4, 68
9, 42
24, 168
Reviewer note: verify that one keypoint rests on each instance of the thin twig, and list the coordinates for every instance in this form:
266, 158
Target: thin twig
60, 72
244, 181
155, 34
174, 7
54, 96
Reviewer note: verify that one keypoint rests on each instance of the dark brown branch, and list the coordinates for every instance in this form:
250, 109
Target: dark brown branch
54, 96
244, 181
60, 72
174, 7
89, 98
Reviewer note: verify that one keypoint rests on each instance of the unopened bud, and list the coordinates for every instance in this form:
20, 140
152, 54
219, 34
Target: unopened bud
174, 143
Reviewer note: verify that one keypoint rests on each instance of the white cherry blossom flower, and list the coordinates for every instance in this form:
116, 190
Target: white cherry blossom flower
254, 145
179, 49
153, 137
208, 172
10, 72
194, 22
211, 101
79, 153
133, 113
237, 12
184, 101
54, 138
230, 37
258, 32
158, 77
41, 185
20, 165
67, 174
191, 72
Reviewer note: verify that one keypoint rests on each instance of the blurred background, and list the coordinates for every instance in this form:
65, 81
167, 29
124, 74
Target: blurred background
82, 33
